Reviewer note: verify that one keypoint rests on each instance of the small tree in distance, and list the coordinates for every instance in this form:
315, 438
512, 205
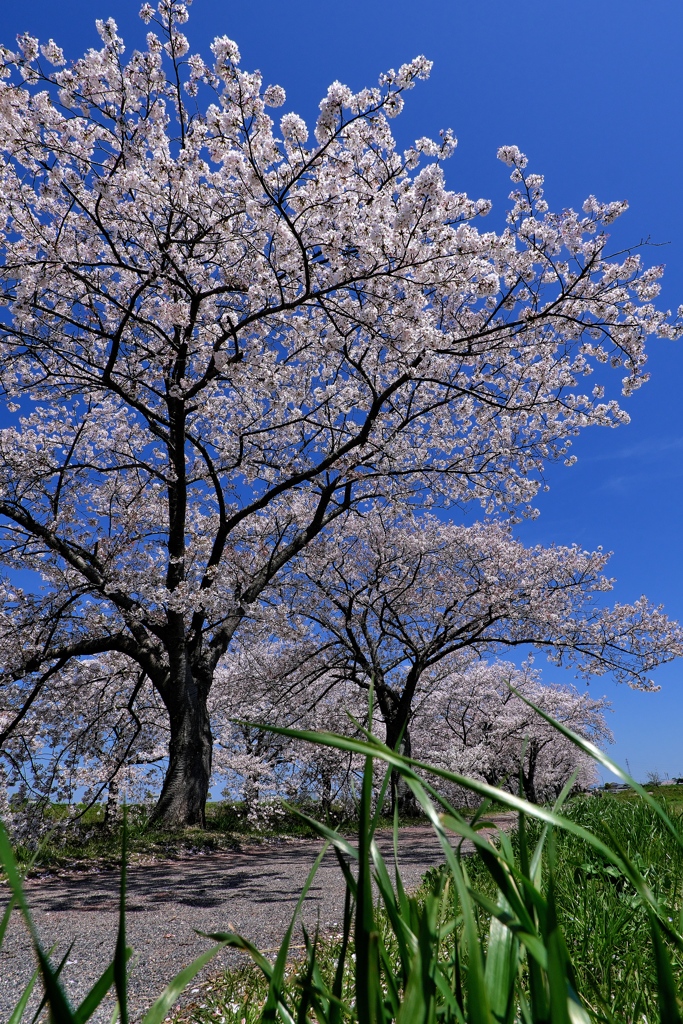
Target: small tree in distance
394, 602
220, 336
475, 723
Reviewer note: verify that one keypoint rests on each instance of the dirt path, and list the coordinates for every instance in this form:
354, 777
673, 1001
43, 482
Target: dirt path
254, 891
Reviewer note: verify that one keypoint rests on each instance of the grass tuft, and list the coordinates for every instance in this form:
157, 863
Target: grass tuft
575, 918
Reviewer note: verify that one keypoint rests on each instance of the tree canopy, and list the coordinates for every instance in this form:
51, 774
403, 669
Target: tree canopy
221, 334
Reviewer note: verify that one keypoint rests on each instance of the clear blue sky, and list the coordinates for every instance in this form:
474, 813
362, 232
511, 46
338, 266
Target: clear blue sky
591, 91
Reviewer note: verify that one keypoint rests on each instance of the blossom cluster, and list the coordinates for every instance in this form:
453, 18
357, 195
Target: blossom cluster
221, 336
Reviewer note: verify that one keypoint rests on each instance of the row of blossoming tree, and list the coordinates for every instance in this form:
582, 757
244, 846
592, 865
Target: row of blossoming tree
239, 365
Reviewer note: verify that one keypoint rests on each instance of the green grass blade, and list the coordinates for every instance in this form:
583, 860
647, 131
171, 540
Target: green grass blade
308, 983
451, 1010
367, 965
534, 867
398, 919
338, 983
602, 758
428, 944
375, 1001
391, 983
235, 941
98, 992
500, 971
18, 1011
559, 980
314, 989
414, 1006
330, 835
507, 876
61, 1012
60, 967
400, 890
578, 1015
531, 941
120, 958
60, 1009
351, 883
669, 1011
617, 858
14, 880
159, 1009
478, 1009
274, 999
406, 765
535, 906
380, 801
525, 1009
6, 918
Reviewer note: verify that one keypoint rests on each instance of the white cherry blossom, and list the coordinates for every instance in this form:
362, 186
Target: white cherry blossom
216, 343
401, 605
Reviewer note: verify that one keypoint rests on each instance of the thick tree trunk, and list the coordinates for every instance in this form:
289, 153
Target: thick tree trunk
186, 787
398, 738
529, 772
326, 792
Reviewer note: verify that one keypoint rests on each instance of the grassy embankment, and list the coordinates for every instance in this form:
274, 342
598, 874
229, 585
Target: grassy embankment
574, 919
604, 920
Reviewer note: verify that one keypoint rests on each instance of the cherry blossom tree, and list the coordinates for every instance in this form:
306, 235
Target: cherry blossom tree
391, 602
280, 684
467, 716
219, 335
473, 722
100, 729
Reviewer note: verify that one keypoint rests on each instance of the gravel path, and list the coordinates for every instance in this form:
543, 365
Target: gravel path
253, 890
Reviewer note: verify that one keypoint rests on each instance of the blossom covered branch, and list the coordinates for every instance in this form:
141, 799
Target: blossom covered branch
221, 334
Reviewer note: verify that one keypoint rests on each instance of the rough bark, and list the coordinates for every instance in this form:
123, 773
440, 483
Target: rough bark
398, 738
395, 709
326, 792
183, 797
529, 772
